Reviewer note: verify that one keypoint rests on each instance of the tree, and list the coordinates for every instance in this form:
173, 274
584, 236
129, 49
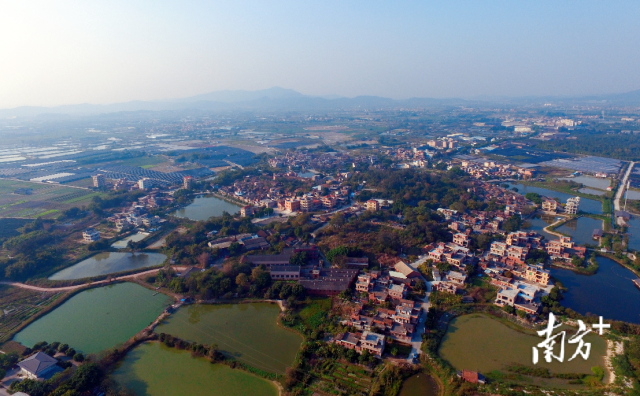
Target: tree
521, 313
469, 269
300, 258
512, 224
420, 286
203, 259
534, 197
509, 309
86, 377
577, 261
337, 220
234, 249
242, 280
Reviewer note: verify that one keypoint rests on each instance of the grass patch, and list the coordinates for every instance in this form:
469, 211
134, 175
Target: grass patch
314, 313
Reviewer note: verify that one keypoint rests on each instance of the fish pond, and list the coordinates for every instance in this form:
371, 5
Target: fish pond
633, 231
109, 263
539, 222
153, 369
586, 205
247, 332
482, 343
595, 182
609, 293
204, 207
581, 230
419, 385
97, 319
122, 244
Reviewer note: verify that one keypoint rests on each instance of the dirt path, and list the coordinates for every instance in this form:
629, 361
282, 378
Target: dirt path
547, 230
74, 287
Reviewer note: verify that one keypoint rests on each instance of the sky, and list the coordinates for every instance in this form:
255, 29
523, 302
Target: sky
68, 52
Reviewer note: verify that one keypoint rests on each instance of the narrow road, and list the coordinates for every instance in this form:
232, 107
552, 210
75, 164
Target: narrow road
74, 287
548, 231
623, 186
416, 341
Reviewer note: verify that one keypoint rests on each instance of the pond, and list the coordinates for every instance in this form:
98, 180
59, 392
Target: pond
97, 319
632, 194
586, 205
633, 231
581, 230
419, 385
246, 332
595, 182
539, 222
137, 237
587, 190
482, 343
153, 369
109, 263
204, 207
601, 294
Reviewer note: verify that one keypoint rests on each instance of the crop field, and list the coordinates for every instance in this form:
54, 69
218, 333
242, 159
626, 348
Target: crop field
18, 305
9, 227
343, 379
20, 199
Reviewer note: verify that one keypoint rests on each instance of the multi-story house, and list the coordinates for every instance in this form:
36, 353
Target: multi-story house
461, 239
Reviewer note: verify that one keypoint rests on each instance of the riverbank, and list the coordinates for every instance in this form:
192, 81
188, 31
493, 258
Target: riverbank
558, 187
592, 269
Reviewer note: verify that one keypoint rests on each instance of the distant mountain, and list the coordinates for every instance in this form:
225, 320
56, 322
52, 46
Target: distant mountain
243, 96
276, 98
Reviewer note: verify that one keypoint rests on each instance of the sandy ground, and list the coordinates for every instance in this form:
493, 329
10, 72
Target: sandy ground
613, 348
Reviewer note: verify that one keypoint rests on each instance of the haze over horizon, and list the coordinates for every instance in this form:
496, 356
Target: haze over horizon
102, 52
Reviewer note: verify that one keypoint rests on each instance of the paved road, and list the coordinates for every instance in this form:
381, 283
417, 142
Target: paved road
416, 342
74, 287
623, 186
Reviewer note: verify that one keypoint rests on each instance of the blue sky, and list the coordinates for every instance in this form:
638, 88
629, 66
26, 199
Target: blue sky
65, 52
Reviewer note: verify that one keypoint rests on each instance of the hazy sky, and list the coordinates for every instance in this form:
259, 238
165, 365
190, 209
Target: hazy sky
65, 52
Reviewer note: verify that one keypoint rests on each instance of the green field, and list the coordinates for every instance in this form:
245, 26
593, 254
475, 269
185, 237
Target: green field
352, 379
143, 162
482, 343
46, 200
153, 369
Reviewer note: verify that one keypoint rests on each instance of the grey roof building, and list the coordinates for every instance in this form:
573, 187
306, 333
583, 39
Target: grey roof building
37, 365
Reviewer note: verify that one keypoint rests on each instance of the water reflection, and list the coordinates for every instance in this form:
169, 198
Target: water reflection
601, 294
586, 205
204, 207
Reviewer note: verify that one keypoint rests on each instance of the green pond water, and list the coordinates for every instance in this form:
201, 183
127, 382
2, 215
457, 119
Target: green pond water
109, 263
204, 207
247, 332
480, 343
419, 385
153, 369
122, 244
97, 319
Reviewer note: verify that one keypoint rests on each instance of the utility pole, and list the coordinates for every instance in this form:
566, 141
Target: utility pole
626, 194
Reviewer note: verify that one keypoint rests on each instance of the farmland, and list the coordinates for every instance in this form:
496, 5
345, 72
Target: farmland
20, 199
19, 305
344, 379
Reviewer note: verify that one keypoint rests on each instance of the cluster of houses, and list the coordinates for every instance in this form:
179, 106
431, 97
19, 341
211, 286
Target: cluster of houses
319, 161
480, 169
550, 205
258, 191
137, 214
